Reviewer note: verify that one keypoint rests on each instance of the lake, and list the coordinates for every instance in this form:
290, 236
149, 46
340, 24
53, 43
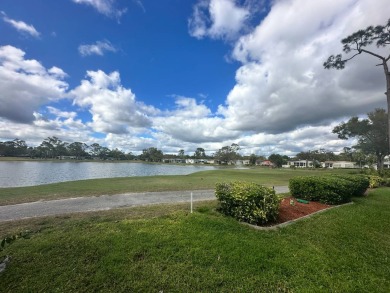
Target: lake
27, 173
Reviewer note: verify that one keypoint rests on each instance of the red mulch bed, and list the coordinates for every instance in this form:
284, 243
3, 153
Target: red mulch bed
288, 212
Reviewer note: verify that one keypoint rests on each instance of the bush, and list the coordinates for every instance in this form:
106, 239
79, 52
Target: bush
375, 181
325, 189
248, 202
386, 182
360, 183
384, 173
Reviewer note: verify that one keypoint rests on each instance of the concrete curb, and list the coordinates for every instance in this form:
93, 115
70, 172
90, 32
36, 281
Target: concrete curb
281, 225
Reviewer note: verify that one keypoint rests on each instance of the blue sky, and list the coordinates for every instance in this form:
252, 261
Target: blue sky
184, 74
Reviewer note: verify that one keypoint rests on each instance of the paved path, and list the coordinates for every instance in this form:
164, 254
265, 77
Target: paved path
104, 202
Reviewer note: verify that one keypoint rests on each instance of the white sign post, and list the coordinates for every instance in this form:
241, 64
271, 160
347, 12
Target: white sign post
191, 202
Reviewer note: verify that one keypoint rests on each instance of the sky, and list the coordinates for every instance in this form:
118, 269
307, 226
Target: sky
183, 74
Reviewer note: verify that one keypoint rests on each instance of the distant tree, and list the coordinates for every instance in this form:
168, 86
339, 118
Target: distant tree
181, 154
358, 42
228, 153
152, 154
278, 160
360, 158
13, 148
77, 149
316, 156
117, 154
199, 153
104, 153
53, 147
371, 134
130, 156
95, 149
346, 154
252, 159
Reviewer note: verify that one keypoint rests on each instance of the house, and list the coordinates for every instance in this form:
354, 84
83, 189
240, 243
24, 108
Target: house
339, 165
174, 161
66, 157
301, 164
265, 163
199, 161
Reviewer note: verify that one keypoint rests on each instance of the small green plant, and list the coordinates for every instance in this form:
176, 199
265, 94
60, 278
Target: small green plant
248, 202
375, 181
9, 239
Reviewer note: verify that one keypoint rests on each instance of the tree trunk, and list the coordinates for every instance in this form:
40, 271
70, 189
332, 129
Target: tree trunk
387, 74
380, 162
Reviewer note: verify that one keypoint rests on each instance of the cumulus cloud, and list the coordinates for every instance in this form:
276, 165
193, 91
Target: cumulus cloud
25, 85
283, 101
193, 122
62, 122
114, 108
99, 48
21, 26
66, 126
106, 7
282, 84
218, 19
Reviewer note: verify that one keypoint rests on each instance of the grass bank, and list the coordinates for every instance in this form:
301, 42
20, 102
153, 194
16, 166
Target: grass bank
164, 248
195, 181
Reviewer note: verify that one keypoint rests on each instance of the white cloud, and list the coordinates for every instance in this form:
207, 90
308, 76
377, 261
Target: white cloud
282, 84
25, 85
193, 122
66, 126
284, 101
218, 19
114, 109
21, 26
99, 48
106, 7
140, 5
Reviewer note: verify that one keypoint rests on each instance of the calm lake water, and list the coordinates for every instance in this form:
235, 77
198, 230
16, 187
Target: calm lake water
13, 174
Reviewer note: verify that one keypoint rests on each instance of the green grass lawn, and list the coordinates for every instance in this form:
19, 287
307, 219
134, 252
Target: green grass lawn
166, 249
200, 180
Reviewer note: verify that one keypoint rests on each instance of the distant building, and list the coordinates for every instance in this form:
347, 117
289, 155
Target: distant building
265, 163
174, 161
339, 165
241, 162
301, 164
66, 157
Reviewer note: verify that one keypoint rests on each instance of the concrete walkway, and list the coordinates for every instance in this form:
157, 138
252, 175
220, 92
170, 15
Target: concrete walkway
104, 202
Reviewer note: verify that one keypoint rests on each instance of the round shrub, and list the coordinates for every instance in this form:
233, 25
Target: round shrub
248, 202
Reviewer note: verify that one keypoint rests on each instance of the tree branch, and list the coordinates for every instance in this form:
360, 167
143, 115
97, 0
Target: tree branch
373, 54
345, 60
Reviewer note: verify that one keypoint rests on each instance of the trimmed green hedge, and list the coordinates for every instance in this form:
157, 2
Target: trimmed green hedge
360, 183
248, 202
335, 189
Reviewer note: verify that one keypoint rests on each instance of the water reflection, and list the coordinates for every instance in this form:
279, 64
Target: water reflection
13, 174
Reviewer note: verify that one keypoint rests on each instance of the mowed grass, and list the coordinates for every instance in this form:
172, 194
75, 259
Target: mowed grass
166, 249
195, 181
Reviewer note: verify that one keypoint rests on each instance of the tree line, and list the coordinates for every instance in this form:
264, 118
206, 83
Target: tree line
55, 148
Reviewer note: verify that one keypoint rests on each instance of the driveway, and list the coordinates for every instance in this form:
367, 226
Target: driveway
104, 202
